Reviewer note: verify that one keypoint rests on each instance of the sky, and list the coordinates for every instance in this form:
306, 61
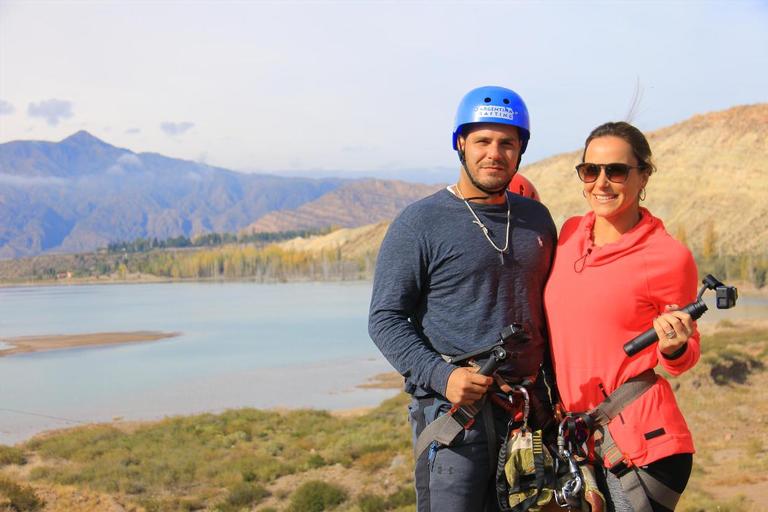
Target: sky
365, 88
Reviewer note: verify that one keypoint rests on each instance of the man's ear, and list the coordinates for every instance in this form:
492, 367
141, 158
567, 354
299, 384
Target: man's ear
460, 142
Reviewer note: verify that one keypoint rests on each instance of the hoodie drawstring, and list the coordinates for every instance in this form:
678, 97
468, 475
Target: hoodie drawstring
580, 263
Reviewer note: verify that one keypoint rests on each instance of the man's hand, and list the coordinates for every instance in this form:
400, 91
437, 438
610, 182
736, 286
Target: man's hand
466, 386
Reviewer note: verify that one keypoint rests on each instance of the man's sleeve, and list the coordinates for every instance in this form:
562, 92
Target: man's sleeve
399, 281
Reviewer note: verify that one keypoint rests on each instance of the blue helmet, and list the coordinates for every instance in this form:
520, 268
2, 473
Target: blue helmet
492, 104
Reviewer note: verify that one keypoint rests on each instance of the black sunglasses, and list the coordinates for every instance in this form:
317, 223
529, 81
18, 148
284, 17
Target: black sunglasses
616, 173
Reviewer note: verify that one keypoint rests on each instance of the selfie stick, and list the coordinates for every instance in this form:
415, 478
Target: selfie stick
726, 298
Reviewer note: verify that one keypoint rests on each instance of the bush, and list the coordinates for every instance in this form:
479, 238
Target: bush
315, 461
20, 498
316, 496
246, 494
11, 455
732, 366
403, 497
372, 503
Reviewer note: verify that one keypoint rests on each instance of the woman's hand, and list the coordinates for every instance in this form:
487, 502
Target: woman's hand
465, 386
673, 328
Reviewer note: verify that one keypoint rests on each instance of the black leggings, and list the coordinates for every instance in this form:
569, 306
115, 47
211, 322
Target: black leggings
672, 471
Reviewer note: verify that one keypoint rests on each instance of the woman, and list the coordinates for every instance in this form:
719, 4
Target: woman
616, 272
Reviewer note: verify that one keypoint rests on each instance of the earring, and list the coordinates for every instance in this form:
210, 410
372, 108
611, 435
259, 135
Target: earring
642, 194
584, 193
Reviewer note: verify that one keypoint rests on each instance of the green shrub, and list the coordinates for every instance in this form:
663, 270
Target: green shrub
316, 496
371, 503
11, 455
402, 497
246, 494
20, 498
315, 461
732, 366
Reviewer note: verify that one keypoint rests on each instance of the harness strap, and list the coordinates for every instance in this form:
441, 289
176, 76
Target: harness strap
538, 460
661, 493
490, 434
622, 397
639, 485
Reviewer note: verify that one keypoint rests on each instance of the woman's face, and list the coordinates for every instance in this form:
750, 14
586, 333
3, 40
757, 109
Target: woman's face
614, 202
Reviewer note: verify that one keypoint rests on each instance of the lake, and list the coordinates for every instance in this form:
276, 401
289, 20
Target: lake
241, 344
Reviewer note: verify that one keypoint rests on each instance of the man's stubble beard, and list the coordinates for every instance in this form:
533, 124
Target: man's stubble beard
486, 189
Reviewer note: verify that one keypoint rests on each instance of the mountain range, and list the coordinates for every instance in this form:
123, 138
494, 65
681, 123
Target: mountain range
81, 193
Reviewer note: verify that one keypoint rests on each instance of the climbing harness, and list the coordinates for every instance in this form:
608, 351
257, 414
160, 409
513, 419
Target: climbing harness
525, 473
639, 486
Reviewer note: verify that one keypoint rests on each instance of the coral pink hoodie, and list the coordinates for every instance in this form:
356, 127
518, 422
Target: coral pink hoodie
598, 298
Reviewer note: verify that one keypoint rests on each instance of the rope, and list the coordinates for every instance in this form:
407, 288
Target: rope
45, 416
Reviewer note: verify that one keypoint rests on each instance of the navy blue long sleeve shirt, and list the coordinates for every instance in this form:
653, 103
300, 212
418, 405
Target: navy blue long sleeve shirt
441, 288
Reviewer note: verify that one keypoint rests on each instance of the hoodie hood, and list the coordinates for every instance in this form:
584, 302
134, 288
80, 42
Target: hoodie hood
630, 242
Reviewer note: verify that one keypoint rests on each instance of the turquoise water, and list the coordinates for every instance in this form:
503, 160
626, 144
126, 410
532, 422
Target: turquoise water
241, 344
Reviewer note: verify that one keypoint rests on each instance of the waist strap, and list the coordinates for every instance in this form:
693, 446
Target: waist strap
622, 397
637, 484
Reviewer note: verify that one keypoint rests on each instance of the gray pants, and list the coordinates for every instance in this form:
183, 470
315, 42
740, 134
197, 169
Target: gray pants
460, 477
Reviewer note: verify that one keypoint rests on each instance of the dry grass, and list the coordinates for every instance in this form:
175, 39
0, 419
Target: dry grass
218, 462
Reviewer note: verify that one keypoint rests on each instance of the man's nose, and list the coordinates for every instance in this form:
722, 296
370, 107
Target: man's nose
494, 151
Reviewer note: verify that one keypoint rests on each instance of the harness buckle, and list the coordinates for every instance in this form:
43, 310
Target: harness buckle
462, 417
621, 468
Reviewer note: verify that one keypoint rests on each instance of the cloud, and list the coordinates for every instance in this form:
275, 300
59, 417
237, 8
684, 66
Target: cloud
125, 160
176, 128
130, 159
52, 110
6, 108
30, 181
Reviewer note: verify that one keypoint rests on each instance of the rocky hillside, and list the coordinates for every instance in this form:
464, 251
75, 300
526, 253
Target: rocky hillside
711, 171
351, 205
351, 243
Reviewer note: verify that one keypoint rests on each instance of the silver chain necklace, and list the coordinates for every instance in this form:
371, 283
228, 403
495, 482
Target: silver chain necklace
477, 221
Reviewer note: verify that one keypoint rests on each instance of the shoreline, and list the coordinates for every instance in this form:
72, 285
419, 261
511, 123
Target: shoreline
745, 289
148, 279
48, 343
384, 381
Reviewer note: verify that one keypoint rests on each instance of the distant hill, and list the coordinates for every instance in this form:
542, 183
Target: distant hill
712, 170
81, 193
352, 204
351, 243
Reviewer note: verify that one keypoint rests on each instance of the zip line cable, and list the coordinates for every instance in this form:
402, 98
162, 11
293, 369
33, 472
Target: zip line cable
45, 416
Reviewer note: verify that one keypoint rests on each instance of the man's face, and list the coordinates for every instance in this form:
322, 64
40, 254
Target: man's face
491, 152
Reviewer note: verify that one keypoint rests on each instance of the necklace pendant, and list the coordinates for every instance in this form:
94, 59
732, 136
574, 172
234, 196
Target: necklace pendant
501, 257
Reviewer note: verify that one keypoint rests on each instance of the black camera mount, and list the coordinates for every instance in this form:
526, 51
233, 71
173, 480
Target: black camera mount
725, 297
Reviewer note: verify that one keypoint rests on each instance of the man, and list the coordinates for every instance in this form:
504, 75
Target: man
454, 269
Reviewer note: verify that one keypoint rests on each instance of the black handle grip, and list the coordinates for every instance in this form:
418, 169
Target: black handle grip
635, 345
492, 364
